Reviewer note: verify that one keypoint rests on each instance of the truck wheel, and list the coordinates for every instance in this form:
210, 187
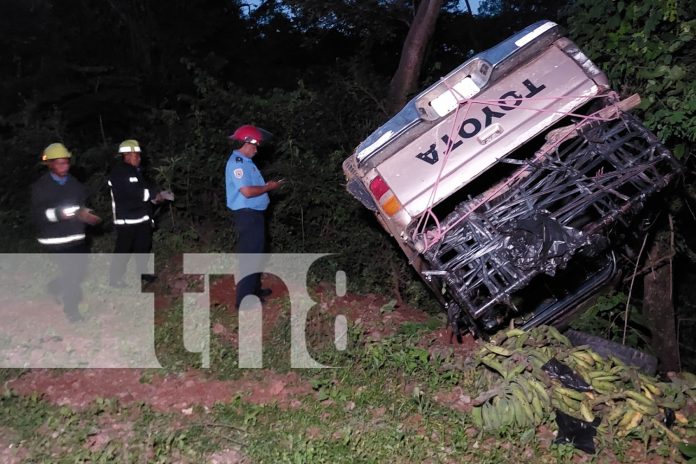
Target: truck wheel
643, 361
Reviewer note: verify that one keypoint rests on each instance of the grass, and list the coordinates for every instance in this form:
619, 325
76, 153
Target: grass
379, 405
52, 434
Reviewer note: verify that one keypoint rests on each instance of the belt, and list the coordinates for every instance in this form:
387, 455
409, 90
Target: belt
248, 210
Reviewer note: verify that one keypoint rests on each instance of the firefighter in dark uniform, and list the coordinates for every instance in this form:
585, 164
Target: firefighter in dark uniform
131, 198
59, 213
247, 197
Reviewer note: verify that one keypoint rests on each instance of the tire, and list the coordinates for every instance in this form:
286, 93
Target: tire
643, 361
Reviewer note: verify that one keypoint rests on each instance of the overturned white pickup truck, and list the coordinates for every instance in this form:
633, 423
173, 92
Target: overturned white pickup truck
505, 182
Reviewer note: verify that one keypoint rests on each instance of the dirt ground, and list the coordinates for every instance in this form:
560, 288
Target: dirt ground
190, 393
193, 393
182, 392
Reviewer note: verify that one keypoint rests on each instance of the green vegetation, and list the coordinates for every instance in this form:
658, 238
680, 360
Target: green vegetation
646, 47
183, 76
179, 76
385, 401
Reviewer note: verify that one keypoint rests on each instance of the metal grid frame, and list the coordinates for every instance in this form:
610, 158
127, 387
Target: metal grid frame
604, 173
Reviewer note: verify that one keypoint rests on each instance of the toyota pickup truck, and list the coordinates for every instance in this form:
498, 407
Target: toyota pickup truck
507, 182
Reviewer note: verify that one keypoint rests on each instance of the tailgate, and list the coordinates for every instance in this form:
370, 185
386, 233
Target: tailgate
483, 132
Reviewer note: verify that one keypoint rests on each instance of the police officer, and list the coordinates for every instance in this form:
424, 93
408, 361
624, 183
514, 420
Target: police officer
131, 198
59, 213
247, 197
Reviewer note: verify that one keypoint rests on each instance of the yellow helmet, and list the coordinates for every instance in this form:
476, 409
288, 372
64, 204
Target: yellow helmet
128, 146
55, 151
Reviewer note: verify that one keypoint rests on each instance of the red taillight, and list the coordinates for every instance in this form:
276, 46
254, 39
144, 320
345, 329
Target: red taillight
384, 196
378, 187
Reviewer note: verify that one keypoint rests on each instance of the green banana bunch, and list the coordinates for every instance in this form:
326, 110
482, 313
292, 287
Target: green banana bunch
499, 350
567, 400
630, 420
521, 403
582, 359
525, 414
625, 399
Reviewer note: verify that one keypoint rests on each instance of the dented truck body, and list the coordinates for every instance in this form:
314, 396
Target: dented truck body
507, 177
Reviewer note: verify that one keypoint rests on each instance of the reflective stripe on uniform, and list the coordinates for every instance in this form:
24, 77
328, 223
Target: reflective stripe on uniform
133, 179
51, 215
121, 222
61, 240
70, 211
113, 205
146, 194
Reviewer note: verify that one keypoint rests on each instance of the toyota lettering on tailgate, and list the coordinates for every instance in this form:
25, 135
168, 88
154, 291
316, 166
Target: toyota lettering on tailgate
472, 126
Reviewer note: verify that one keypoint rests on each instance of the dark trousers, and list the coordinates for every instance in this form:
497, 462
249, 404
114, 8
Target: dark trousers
251, 230
71, 261
131, 238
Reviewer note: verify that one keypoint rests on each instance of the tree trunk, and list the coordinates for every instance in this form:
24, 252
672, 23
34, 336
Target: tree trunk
658, 307
468, 7
134, 16
406, 76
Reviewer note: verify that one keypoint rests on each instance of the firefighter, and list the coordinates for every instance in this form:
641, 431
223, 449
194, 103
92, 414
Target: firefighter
247, 198
132, 196
59, 213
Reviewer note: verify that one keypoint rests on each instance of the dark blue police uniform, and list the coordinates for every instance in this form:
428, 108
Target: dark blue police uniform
248, 215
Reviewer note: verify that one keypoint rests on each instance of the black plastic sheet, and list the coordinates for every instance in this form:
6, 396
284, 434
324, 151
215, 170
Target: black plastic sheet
567, 376
669, 418
540, 242
576, 432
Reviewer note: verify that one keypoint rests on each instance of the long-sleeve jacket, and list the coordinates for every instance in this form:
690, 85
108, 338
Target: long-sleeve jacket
50, 203
131, 194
